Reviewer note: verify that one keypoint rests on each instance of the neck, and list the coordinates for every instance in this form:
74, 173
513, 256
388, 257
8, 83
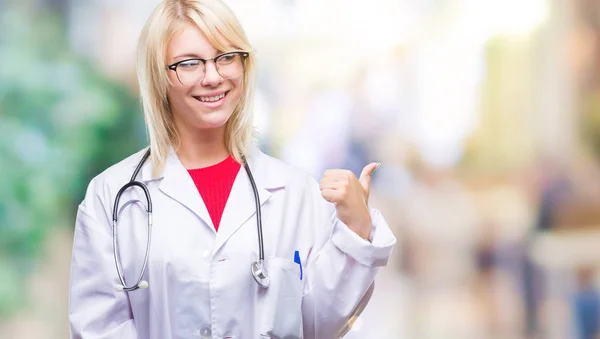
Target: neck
202, 148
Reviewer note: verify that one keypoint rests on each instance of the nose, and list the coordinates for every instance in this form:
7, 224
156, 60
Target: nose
211, 76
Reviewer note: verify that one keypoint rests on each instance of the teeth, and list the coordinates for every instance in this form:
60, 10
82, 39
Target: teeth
211, 99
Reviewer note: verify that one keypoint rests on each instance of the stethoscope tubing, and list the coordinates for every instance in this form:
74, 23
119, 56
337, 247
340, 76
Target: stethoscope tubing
258, 270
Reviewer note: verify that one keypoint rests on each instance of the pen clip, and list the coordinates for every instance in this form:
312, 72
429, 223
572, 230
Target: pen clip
297, 261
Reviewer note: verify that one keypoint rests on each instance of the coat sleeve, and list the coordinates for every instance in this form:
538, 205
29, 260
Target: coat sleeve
340, 270
96, 309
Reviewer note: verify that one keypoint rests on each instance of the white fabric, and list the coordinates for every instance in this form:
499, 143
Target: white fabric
200, 283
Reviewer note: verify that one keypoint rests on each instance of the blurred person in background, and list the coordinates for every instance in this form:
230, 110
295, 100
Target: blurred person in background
586, 305
322, 246
553, 190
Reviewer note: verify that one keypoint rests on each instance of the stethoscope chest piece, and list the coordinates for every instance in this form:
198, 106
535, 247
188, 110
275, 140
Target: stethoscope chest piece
260, 274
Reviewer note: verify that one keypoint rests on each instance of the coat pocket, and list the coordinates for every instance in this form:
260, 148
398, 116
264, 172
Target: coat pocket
280, 313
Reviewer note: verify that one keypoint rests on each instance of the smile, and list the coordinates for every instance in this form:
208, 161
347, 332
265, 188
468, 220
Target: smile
211, 98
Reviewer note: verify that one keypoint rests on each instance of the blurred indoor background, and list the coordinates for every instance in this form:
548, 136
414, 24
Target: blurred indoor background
485, 115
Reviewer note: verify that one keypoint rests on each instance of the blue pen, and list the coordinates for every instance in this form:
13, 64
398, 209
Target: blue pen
297, 261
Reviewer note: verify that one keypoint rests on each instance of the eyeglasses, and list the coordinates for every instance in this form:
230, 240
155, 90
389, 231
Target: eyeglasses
191, 72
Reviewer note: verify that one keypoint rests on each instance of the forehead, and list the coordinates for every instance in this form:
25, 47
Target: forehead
189, 40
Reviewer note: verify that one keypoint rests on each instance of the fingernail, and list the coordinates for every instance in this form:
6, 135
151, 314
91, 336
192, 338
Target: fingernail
378, 165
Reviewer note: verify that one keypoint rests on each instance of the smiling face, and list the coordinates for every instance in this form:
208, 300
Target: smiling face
210, 102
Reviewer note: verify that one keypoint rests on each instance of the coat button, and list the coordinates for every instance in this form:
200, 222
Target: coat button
206, 333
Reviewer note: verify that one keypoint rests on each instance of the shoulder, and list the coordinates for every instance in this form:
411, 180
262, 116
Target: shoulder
120, 171
302, 191
106, 183
274, 172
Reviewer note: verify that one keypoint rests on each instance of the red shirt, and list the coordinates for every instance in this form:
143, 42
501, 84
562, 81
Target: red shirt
214, 184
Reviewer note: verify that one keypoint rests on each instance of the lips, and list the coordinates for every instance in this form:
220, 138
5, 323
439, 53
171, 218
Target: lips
211, 98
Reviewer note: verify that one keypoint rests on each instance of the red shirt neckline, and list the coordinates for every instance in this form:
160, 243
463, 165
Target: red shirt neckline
214, 184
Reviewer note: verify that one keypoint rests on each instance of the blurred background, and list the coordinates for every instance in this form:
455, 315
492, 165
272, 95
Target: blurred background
485, 115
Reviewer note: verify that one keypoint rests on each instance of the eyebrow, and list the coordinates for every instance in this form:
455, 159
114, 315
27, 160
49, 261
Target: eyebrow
187, 55
193, 55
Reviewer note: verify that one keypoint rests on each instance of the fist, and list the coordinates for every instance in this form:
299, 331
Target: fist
350, 195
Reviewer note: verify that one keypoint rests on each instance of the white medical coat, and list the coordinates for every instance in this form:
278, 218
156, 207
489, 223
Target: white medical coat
200, 283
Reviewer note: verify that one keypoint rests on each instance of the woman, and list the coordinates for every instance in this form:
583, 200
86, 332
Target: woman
322, 243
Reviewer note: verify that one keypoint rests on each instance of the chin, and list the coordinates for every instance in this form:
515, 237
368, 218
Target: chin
213, 119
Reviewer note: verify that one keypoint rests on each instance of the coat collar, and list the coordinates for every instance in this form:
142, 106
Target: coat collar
265, 169
176, 183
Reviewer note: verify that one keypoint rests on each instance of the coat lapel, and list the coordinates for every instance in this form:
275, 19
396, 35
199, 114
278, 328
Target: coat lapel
241, 205
179, 186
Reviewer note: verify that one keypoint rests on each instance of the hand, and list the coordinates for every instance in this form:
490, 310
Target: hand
350, 196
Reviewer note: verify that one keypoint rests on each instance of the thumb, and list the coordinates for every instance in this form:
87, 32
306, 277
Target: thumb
365, 176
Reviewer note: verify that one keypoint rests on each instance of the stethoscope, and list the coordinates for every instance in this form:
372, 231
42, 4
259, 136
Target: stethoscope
259, 272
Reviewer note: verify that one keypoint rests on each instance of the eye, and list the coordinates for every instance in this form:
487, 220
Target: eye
227, 58
189, 64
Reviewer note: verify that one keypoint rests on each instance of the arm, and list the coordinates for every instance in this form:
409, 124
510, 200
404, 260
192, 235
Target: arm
96, 310
340, 270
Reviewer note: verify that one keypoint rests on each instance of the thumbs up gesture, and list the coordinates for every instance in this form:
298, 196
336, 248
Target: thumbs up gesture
350, 195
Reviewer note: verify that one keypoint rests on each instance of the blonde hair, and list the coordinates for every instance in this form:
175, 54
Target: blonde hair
222, 28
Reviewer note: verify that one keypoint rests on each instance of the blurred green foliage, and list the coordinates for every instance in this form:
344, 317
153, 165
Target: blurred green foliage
61, 123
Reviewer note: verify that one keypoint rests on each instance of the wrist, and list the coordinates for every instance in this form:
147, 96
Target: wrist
363, 229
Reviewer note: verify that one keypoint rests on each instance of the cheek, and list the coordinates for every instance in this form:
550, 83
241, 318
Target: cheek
176, 93
238, 92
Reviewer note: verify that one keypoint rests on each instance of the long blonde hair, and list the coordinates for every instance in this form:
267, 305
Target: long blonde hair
222, 28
